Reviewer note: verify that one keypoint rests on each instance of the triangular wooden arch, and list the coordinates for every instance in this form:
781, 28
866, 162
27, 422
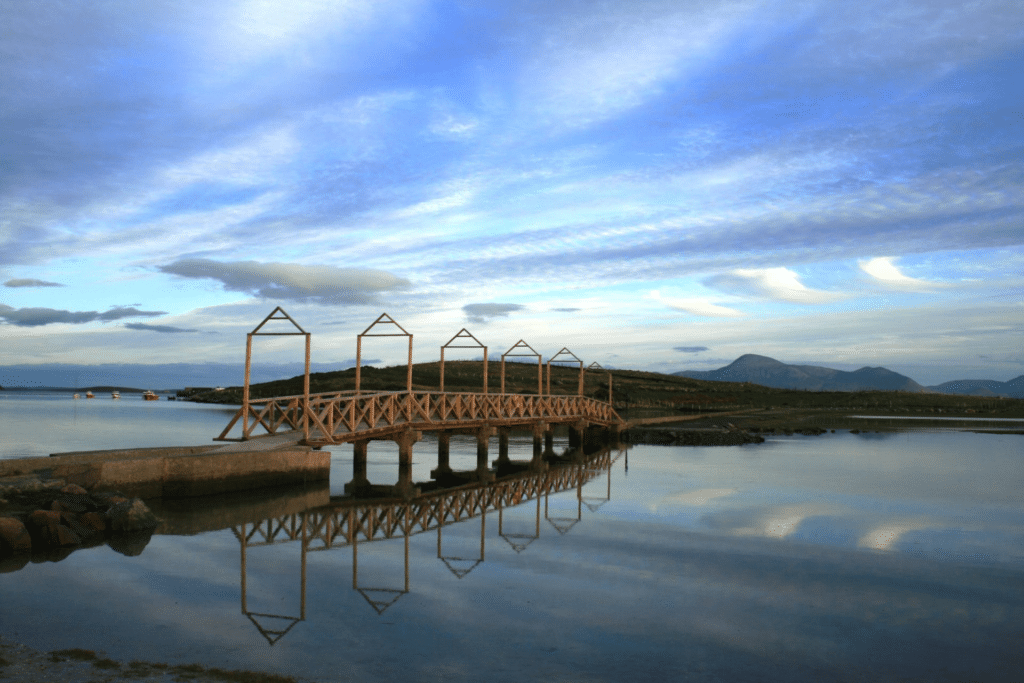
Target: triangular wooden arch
540, 364
272, 634
521, 344
462, 335
555, 359
385, 319
382, 319
273, 316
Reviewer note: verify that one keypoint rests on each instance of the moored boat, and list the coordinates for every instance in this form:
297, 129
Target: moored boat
148, 395
89, 394
115, 394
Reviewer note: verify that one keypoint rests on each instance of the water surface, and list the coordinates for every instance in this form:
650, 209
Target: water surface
840, 557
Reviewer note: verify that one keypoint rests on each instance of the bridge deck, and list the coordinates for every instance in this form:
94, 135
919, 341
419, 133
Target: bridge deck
340, 417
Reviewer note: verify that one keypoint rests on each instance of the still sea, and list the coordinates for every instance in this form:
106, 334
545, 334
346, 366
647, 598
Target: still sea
892, 556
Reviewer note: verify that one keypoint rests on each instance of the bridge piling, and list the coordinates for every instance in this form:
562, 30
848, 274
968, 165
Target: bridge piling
502, 461
443, 468
483, 438
405, 440
359, 481
576, 432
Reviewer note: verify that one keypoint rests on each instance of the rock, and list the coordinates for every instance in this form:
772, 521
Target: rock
13, 563
74, 488
93, 520
131, 515
14, 537
131, 544
47, 528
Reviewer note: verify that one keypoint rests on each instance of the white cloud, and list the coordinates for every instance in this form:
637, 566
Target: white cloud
696, 498
772, 283
885, 271
885, 536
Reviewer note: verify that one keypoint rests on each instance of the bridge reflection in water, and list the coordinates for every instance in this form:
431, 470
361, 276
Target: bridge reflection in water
350, 523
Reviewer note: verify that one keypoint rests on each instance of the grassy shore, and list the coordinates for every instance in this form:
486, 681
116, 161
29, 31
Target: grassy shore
640, 395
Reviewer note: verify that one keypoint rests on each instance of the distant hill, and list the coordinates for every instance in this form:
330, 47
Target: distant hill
769, 372
982, 387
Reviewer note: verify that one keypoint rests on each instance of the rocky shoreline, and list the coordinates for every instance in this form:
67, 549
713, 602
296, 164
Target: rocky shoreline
22, 664
667, 436
47, 519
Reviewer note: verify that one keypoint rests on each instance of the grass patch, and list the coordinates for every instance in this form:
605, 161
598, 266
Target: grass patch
249, 676
75, 653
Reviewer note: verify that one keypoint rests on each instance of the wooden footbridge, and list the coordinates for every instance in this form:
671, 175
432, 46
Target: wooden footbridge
323, 419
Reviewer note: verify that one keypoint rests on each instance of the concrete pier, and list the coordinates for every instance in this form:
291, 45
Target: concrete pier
179, 472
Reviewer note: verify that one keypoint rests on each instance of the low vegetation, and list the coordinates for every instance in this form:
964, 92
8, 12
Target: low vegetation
640, 395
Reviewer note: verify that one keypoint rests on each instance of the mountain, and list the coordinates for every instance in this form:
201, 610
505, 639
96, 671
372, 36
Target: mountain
772, 373
982, 387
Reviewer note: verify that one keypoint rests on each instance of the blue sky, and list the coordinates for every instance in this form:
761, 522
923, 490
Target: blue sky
656, 185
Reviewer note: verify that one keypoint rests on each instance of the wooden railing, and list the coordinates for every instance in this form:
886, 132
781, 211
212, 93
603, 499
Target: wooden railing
345, 523
339, 417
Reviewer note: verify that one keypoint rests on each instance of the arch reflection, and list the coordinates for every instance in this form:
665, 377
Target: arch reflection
358, 525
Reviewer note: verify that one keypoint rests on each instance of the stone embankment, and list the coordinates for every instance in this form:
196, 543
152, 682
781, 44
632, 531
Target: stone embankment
45, 519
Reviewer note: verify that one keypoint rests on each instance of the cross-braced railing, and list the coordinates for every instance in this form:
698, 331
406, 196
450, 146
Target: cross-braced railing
361, 521
339, 417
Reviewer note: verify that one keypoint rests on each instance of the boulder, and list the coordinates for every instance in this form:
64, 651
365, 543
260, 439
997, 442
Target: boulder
47, 528
75, 489
14, 537
131, 515
94, 521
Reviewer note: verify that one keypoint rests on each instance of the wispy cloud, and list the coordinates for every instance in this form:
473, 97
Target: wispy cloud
36, 317
690, 349
30, 282
169, 329
699, 306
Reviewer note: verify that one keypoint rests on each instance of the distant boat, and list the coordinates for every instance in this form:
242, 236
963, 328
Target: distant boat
89, 394
78, 396
148, 395
115, 394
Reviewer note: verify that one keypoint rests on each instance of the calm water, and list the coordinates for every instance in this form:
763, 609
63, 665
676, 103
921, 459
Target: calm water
842, 557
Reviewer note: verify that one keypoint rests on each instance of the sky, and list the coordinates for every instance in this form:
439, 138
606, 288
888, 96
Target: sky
655, 185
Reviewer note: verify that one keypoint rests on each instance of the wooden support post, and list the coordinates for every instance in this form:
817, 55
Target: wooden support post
305, 391
359, 355
245, 388
408, 379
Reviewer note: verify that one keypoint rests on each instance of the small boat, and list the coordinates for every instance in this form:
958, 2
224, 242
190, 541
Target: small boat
148, 395
115, 394
78, 396
89, 394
